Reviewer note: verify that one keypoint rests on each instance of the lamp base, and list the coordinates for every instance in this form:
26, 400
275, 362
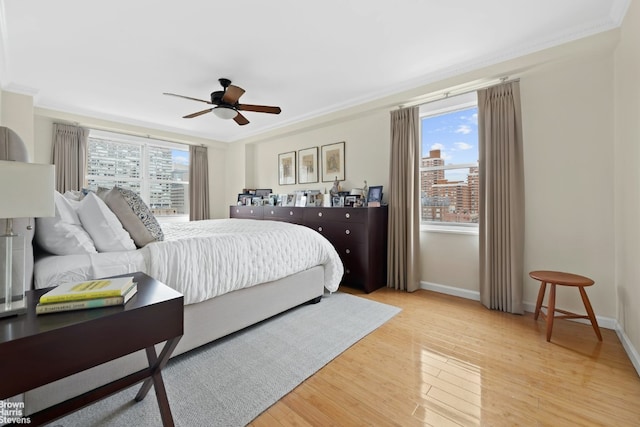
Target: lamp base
17, 307
12, 281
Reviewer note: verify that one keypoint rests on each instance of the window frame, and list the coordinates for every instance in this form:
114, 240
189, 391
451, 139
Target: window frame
435, 108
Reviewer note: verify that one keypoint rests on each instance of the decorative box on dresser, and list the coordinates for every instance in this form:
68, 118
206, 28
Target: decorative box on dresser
358, 234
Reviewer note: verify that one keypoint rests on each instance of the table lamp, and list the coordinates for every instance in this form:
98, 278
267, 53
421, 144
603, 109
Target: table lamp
26, 191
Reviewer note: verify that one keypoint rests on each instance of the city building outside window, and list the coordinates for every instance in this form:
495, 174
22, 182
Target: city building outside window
449, 162
156, 170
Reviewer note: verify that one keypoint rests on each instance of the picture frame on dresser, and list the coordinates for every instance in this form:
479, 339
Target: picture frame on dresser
287, 168
374, 197
333, 162
308, 165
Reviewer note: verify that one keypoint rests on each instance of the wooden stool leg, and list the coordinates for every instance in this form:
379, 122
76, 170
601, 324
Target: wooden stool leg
592, 316
551, 310
543, 289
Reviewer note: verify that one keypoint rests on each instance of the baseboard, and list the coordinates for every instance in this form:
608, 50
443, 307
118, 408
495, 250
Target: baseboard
451, 290
629, 348
603, 322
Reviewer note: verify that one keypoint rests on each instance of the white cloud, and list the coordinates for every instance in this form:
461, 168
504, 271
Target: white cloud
463, 129
462, 146
437, 146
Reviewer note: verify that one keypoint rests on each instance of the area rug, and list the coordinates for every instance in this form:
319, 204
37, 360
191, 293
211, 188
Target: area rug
233, 380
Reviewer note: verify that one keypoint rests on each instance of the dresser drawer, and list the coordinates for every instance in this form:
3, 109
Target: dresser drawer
247, 212
355, 265
335, 214
283, 213
340, 233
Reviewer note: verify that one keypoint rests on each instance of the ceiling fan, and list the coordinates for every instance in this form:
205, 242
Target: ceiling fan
226, 104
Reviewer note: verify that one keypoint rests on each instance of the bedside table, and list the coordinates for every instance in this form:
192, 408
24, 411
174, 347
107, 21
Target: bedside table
45, 348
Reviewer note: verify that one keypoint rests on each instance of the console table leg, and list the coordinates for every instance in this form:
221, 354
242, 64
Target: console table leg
157, 364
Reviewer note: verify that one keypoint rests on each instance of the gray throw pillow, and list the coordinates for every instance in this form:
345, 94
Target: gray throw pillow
135, 216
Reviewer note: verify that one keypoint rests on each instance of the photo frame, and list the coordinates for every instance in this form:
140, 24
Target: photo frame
263, 192
287, 168
351, 200
308, 165
333, 162
375, 194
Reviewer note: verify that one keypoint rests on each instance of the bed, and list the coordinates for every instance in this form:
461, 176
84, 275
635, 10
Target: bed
232, 272
253, 287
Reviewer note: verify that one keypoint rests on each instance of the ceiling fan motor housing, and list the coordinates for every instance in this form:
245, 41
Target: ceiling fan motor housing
216, 97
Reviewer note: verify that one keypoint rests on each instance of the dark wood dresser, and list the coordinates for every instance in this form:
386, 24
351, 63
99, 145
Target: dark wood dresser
358, 234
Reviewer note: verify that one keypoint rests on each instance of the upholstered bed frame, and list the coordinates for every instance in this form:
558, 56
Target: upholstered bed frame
203, 322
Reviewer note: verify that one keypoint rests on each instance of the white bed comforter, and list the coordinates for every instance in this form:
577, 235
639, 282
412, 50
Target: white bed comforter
202, 259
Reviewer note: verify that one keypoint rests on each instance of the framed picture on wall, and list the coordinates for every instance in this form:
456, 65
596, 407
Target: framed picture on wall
287, 168
333, 162
308, 165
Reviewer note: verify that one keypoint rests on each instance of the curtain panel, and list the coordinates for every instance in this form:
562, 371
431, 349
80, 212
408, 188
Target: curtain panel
404, 201
501, 197
198, 183
70, 156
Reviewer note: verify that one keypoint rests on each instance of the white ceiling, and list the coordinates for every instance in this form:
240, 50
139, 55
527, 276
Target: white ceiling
114, 59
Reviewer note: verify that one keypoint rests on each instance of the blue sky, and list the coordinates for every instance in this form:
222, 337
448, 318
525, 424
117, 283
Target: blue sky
455, 134
180, 156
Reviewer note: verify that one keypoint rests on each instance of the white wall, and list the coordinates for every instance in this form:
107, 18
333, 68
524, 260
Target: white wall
627, 180
366, 153
17, 114
567, 113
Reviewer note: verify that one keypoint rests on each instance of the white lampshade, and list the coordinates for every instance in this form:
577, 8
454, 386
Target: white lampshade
225, 112
26, 190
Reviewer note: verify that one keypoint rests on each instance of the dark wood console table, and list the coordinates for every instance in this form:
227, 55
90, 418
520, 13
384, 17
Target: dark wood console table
358, 234
36, 350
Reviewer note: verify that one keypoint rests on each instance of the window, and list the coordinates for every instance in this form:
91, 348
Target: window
449, 161
157, 170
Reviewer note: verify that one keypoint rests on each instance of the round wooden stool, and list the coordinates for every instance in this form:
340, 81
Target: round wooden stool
554, 278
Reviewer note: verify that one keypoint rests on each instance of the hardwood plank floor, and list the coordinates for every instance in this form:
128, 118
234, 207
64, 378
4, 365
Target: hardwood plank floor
447, 361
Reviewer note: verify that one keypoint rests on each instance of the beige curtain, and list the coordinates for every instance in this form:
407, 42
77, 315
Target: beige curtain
501, 197
198, 183
404, 201
70, 156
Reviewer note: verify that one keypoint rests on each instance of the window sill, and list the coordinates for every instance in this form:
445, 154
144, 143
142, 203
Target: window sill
449, 229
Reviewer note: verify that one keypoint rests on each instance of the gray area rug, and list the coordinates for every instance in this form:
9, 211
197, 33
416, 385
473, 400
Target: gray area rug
233, 380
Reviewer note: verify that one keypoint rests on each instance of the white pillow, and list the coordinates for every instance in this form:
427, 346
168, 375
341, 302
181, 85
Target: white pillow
103, 226
63, 234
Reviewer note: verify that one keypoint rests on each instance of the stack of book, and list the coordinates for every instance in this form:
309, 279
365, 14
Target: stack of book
87, 294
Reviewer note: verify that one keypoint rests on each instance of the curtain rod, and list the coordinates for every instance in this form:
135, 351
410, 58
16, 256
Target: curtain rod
457, 91
132, 133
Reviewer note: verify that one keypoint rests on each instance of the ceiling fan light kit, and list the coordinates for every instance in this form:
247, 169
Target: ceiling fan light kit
226, 104
225, 113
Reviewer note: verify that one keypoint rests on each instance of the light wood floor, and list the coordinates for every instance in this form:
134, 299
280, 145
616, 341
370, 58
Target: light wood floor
447, 361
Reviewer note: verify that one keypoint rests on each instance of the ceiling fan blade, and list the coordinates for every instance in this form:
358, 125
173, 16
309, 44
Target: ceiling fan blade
232, 94
199, 113
241, 120
187, 97
259, 108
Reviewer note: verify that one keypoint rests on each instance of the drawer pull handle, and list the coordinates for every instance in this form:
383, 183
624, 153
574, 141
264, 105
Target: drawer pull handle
319, 213
237, 210
347, 215
271, 212
347, 232
319, 228
251, 210
290, 212
348, 271
348, 251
